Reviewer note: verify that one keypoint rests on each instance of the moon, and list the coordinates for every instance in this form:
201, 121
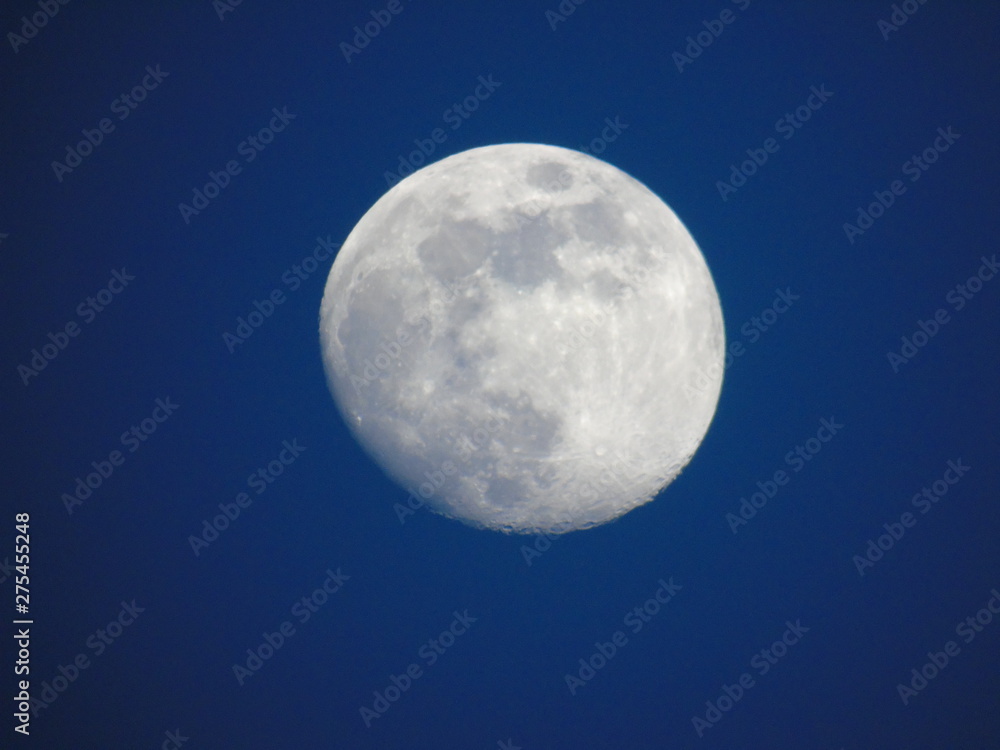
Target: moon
525, 338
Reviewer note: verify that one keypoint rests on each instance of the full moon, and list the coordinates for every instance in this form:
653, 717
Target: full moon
525, 338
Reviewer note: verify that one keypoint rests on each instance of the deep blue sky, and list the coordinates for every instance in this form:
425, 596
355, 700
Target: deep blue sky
161, 337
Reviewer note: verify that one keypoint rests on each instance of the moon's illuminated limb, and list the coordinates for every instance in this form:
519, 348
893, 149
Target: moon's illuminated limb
515, 329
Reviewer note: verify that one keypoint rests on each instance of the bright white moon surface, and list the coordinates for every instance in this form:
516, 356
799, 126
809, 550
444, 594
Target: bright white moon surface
525, 338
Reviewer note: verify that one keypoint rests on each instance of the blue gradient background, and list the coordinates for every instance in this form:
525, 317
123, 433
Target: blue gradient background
333, 508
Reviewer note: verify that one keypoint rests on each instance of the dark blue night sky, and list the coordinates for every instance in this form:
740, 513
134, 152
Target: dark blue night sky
214, 562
